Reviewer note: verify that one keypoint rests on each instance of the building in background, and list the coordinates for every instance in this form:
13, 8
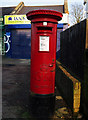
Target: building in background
17, 37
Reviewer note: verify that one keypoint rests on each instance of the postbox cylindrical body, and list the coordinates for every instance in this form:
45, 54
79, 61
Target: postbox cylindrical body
43, 50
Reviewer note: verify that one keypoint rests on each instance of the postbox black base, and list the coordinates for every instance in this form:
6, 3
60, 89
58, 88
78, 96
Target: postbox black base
42, 106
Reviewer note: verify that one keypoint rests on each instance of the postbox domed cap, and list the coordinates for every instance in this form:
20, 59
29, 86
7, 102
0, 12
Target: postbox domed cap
44, 13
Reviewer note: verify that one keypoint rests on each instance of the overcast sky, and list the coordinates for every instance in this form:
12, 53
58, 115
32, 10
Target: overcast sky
37, 2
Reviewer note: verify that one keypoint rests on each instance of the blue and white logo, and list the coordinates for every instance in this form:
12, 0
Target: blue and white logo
10, 18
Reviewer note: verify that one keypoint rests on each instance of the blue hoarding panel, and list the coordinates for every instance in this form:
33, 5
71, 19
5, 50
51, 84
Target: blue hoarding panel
20, 41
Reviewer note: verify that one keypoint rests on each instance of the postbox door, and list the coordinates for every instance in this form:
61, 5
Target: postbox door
43, 62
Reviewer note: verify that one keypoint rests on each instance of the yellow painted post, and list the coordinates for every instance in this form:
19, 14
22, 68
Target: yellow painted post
76, 96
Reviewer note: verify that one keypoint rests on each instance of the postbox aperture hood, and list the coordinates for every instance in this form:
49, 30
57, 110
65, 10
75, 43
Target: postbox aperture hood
39, 14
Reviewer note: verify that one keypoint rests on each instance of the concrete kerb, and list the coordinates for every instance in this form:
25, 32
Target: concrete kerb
76, 88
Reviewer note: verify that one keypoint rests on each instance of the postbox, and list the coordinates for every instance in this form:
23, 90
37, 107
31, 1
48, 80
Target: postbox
43, 50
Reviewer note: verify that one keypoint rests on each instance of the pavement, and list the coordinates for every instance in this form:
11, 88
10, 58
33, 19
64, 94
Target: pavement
7, 61
16, 91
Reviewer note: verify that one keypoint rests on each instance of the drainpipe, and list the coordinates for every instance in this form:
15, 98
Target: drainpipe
66, 6
18, 8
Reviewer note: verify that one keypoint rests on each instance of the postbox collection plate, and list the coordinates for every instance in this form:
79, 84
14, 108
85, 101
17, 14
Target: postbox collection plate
44, 43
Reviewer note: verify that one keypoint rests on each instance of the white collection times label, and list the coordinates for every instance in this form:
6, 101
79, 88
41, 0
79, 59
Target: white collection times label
43, 43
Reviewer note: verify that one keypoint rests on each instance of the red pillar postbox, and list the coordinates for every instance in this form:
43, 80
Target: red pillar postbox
43, 61
43, 50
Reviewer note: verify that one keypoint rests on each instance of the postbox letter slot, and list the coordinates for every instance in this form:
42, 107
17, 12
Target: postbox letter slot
45, 28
